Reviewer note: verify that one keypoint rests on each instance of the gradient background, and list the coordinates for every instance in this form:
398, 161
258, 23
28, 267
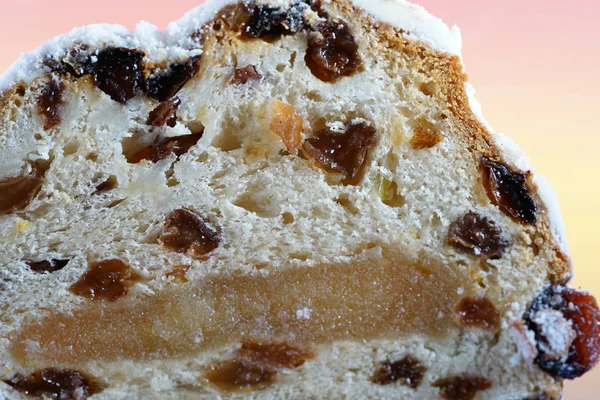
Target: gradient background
535, 65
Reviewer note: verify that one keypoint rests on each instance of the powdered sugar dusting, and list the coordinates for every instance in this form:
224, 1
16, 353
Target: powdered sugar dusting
557, 331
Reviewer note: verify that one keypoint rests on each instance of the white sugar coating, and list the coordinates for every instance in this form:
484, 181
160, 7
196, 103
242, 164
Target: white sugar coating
417, 22
557, 331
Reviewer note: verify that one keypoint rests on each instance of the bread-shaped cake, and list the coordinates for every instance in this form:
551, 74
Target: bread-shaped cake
275, 200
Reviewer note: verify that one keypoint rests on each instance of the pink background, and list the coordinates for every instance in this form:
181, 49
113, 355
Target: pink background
535, 64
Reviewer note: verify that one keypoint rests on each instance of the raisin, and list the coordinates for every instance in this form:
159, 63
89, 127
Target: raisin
242, 76
478, 235
581, 311
409, 371
508, 190
167, 84
345, 153
264, 21
109, 184
543, 396
256, 365
164, 147
61, 384
119, 72
462, 387
424, 138
18, 192
48, 266
107, 280
478, 312
178, 274
74, 64
49, 103
332, 51
186, 232
164, 113
242, 374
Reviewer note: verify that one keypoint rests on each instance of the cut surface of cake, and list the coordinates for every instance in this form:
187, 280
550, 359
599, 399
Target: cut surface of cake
275, 199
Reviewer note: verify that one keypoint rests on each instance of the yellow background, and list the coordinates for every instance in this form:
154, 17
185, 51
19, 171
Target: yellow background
534, 63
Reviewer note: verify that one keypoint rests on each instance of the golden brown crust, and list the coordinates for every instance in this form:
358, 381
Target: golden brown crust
447, 73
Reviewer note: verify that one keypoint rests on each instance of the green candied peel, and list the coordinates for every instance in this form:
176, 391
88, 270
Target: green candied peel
388, 193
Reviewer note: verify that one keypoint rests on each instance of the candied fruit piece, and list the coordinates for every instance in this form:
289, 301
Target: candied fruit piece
345, 153
186, 232
164, 147
18, 192
478, 312
242, 76
409, 372
478, 235
178, 274
462, 387
278, 354
167, 84
49, 103
164, 113
332, 51
582, 314
508, 190
390, 194
105, 280
48, 266
119, 72
288, 124
61, 384
266, 21
255, 365
424, 138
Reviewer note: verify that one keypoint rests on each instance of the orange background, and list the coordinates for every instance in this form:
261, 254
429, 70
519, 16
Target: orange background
534, 63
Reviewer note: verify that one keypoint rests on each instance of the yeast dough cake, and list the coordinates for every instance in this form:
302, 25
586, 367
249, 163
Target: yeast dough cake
276, 199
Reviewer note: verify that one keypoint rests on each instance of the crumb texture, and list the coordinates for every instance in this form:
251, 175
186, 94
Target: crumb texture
272, 199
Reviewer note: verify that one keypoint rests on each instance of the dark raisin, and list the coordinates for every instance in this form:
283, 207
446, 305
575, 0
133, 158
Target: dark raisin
109, 184
332, 51
581, 311
164, 147
478, 312
119, 73
462, 387
242, 374
186, 232
408, 371
164, 113
168, 83
543, 396
75, 64
242, 76
18, 192
345, 153
49, 103
47, 266
255, 365
478, 235
264, 21
508, 190
61, 384
106, 280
